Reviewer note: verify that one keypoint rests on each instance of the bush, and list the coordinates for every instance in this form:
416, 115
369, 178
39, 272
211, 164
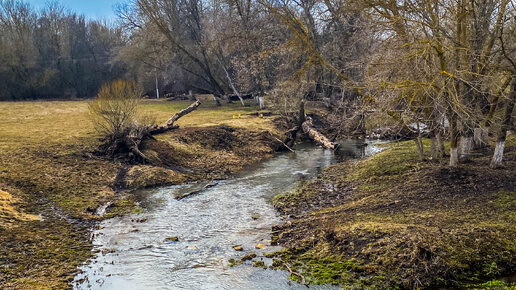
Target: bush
114, 113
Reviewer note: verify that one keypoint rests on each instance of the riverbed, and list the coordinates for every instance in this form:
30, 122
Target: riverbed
137, 251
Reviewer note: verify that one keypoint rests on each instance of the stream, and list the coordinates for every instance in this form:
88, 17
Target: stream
133, 252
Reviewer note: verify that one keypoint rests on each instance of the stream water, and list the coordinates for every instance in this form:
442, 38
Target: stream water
132, 252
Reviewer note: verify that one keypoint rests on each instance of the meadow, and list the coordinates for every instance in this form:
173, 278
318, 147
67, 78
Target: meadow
52, 180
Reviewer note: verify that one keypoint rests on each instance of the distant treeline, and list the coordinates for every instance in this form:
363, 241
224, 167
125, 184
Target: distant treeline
54, 53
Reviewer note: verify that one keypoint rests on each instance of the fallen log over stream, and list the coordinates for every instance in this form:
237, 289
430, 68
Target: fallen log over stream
314, 135
305, 123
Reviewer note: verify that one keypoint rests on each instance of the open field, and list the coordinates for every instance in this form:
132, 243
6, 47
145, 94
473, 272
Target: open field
393, 221
51, 181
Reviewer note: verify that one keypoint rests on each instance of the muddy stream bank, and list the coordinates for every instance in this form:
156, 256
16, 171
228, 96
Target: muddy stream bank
138, 251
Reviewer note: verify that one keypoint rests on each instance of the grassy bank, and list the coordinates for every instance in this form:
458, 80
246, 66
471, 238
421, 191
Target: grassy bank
51, 180
393, 221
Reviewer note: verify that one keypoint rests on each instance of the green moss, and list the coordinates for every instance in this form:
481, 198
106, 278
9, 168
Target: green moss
325, 268
235, 262
505, 199
398, 159
496, 284
259, 264
271, 255
122, 207
290, 198
248, 257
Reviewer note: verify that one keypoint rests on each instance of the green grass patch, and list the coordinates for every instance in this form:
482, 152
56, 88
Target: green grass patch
405, 223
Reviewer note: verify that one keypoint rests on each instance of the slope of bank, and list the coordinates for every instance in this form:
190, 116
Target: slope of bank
392, 221
51, 181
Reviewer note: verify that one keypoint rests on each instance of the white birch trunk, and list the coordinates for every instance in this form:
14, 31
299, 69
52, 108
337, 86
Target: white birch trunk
217, 101
191, 96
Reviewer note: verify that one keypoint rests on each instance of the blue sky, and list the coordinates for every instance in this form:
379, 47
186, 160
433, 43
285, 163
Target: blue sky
92, 9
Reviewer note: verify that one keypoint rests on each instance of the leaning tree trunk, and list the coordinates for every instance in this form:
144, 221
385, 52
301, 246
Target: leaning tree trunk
505, 126
232, 85
169, 124
138, 133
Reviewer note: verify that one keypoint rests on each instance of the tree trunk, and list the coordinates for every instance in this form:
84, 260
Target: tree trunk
292, 133
169, 124
191, 96
216, 99
434, 146
420, 149
440, 144
505, 126
480, 136
262, 102
317, 137
454, 156
157, 87
434, 150
496, 161
231, 84
465, 146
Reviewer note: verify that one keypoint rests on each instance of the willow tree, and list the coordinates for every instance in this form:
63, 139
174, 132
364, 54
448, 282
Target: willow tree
460, 37
508, 47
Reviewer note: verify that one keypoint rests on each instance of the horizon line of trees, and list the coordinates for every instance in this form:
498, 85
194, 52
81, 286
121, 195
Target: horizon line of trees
55, 53
442, 68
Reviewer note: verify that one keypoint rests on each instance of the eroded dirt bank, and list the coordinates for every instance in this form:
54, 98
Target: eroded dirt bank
50, 194
391, 221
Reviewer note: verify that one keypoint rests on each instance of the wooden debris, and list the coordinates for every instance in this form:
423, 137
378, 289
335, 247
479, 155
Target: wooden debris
317, 137
296, 274
169, 125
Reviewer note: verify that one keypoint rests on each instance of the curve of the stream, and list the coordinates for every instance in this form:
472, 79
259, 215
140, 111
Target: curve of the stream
132, 252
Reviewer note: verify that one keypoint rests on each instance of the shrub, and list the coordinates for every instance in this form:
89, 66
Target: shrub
113, 111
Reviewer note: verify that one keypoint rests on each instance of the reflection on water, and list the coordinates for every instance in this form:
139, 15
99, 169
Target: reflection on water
353, 148
132, 252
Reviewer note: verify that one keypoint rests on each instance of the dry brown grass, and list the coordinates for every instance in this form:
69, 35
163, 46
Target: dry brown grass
47, 167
